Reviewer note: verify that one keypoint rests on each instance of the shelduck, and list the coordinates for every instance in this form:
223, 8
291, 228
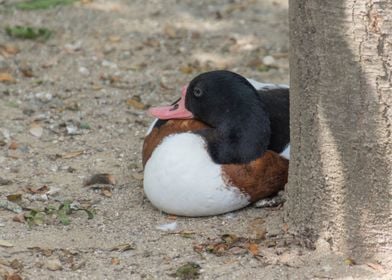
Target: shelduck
223, 145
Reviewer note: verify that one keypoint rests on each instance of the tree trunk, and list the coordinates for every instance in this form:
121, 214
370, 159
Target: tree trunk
340, 178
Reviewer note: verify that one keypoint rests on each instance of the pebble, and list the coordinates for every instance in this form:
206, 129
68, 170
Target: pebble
36, 131
109, 64
269, 60
44, 97
4, 182
53, 264
84, 71
3, 65
5, 134
72, 129
73, 47
167, 227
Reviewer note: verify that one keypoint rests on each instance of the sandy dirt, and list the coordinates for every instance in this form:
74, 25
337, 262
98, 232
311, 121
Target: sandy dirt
75, 107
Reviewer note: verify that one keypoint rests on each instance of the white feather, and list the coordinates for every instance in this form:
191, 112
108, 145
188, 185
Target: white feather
262, 86
151, 126
286, 152
180, 178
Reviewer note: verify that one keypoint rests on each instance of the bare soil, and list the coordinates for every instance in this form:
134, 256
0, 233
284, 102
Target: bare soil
74, 106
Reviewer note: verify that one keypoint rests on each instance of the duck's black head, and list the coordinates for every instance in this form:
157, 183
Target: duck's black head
229, 104
221, 96
240, 126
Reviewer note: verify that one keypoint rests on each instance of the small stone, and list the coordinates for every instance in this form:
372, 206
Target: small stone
26, 69
84, 71
5, 134
322, 246
36, 130
167, 227
53, 264
72, 129
109, 64
44, 97
269, 60
4, 182
2, 141
73, 47
4, 66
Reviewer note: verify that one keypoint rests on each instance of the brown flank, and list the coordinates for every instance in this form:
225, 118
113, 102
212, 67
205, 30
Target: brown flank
260, 178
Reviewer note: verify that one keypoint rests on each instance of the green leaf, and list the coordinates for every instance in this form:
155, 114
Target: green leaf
63, 212
27, 32
42, 4
190, 270
34, 217
85, 125
63, 216
50, 210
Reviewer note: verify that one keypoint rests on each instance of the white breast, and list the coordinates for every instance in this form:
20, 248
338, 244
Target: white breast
180, 178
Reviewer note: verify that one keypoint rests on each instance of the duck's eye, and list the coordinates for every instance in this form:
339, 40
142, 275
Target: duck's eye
197, 92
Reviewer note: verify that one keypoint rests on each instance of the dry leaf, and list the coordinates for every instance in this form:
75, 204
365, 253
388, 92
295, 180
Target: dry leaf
19, 218
115, 261
186, 69
198, 248
218, 249
36, 130
123, 247
13, 276
53, 61
14, 197
186, 233
26, 70
8, 50
376, 266
107, 191
172, 217
16, 264
4, 243
135, 104
254, 249
237, 250
169, 31
6, 78
151, 42
103, 179
13, 145
257, 228
349, 262
72, 154
114, 39
41, 190
229, 238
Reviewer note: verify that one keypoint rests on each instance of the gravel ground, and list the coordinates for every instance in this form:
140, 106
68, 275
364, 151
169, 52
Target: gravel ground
74, 106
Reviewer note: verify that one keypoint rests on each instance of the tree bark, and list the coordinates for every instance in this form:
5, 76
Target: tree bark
340, 177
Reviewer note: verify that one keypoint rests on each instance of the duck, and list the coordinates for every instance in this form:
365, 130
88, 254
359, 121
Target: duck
220, 147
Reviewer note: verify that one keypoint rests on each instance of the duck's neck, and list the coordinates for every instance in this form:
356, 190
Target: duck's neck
240, 139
